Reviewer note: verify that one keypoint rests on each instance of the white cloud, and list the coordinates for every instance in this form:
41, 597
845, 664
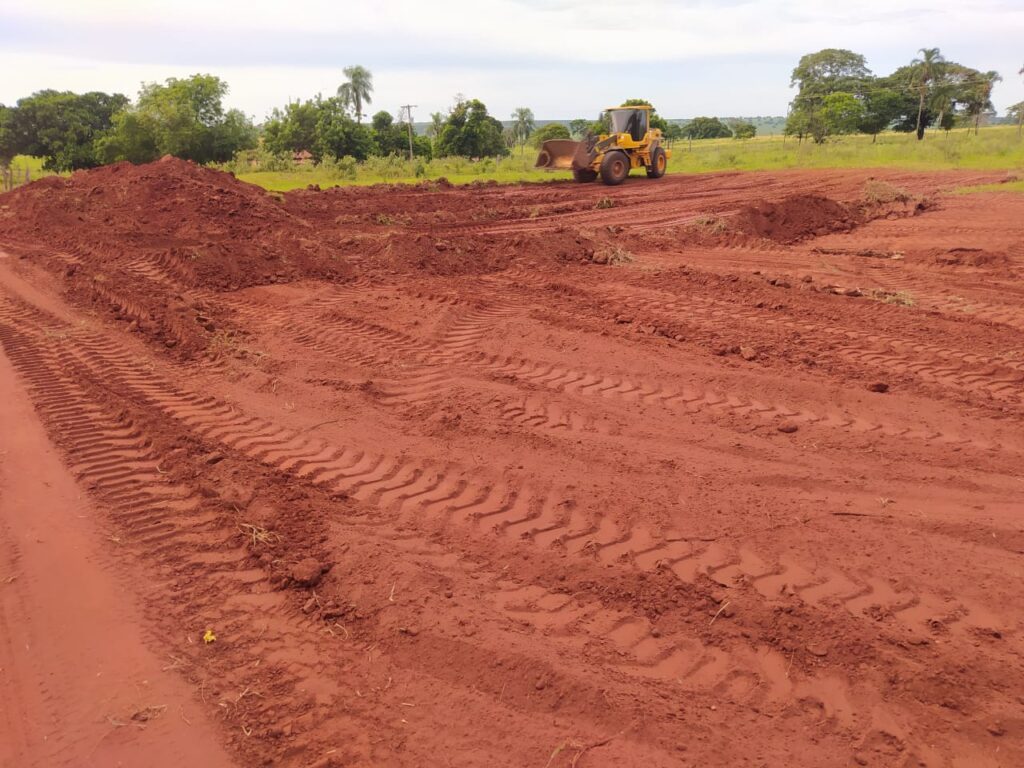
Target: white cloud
563, 57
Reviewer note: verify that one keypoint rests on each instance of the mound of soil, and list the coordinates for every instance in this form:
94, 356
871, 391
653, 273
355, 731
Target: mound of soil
796, 218
970, 257
211, 229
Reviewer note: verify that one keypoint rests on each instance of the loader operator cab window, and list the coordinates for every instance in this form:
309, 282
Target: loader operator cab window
631, 121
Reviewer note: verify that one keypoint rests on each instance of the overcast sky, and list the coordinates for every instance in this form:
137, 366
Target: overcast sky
562, 58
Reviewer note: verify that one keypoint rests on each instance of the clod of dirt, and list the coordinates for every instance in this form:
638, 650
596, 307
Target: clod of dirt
307, 572
817, 649
748, 353
788, 427
878, 386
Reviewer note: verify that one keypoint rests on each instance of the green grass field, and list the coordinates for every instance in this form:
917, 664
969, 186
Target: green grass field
994, 148
27, 168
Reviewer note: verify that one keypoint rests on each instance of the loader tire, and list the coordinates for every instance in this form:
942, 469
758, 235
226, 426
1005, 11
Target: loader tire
585, 176
658, 164
614, 168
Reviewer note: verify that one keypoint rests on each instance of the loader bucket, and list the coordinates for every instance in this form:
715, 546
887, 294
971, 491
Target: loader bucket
557, 154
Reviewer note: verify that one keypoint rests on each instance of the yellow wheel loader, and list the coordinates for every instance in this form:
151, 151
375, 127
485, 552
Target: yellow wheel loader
632, 143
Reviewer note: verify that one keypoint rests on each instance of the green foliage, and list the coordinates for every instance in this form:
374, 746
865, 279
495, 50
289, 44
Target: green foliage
578, 128
522, 126
8, 146
674, 132
356, 90
819, 77
743, 129
338, 135
470, 132
549, 132
59, 126
324, 128
828, 71
841, 113
882, 107
181, 117
706, 128
294, 128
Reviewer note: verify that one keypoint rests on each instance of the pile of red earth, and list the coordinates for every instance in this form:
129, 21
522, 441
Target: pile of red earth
800, 217
212, 230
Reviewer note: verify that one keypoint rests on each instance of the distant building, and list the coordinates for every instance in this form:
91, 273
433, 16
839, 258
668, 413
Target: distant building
302, 157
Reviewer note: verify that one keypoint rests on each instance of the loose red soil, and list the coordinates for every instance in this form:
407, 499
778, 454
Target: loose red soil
713, 470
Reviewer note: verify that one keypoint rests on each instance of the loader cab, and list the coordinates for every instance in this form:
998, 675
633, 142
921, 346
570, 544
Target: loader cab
631, 120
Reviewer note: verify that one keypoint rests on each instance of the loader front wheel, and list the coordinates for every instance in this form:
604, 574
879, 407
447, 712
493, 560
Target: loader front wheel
585, 176
658, 164
614, 168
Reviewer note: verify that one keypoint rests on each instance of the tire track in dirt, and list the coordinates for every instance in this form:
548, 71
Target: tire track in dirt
165, 525
434, 371
434, 496
164, 522
1001, 377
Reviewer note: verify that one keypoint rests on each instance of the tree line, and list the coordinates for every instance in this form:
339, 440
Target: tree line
837, 94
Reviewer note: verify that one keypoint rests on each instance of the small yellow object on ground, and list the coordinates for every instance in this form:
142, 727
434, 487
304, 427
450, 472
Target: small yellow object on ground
208, 636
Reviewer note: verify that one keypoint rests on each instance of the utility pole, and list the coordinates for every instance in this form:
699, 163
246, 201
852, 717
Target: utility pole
408, 108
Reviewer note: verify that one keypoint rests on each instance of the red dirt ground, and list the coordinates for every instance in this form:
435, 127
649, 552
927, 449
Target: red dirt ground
719, 470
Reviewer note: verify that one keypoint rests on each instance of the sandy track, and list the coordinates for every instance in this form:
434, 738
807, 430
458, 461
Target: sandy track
489, 502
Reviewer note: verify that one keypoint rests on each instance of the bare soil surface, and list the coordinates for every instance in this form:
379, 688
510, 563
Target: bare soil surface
721, 470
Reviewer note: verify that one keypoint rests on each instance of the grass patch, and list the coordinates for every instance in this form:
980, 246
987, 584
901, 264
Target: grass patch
994, 148
899, 298
1009, 186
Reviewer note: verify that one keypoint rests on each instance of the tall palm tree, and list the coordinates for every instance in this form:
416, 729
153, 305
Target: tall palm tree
523, 125
925, 70
357, 89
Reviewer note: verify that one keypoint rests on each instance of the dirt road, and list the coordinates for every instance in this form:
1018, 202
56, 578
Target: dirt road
722, 470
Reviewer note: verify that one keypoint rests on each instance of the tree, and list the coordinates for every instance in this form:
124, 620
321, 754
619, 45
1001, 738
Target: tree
181, 117
673, 133
579, 128
882, 107
357, 89
436, 125
841, 113
706, 128
978, 96
62, 126
522, 126
470, 132
549, 132
828, 71
923, 71
338, 135
817, 76
743, 129
390, 138
294, 128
